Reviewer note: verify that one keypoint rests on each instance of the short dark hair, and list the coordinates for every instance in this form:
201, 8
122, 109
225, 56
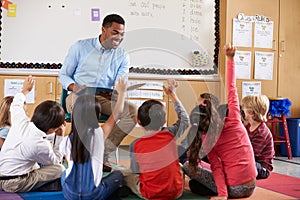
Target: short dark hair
152, 114
109, 19
47, 115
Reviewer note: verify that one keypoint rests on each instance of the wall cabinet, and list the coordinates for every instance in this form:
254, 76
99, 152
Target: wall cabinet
45, 89
286, 45
49, 88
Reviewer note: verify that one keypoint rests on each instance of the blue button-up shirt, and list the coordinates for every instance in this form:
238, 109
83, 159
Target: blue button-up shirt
88, 63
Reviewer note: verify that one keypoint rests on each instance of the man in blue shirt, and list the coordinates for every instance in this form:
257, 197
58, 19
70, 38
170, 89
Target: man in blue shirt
100, 62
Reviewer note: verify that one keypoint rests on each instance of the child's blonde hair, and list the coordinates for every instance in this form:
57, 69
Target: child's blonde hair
4, 111
259, 105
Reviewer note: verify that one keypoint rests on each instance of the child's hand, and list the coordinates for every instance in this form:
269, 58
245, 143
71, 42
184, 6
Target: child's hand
170, 87
121, 85
28, 84
229, 51
61, 130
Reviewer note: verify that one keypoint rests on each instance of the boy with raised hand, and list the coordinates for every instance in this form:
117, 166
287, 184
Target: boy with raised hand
27, 145
155, 172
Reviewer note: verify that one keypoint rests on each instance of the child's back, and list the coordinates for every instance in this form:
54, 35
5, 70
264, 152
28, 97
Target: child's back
157, 157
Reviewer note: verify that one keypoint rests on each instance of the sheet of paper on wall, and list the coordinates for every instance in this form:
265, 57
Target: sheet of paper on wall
251, 88
149, 85
14, 86
12, 10
263, 34
242, 33
242, 61
264, 64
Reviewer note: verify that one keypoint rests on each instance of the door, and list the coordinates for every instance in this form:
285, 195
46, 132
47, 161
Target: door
289, 54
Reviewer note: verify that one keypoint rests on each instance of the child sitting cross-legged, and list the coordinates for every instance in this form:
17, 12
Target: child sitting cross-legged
155, 171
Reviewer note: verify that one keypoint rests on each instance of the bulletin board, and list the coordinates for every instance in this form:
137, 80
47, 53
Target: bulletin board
162, 36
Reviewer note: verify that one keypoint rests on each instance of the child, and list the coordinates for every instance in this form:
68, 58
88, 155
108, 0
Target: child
256, 108
84, 149
230, 153
5, 118
26, 145
154, 159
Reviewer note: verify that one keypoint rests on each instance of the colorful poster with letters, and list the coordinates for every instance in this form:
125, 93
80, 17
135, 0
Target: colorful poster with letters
242, 33
263, 34
242, 61
264, 62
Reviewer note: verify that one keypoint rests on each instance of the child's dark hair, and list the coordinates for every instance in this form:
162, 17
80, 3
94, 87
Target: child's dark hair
47, 115
205, 120
109, 19
86, 112
152, 115
213, 99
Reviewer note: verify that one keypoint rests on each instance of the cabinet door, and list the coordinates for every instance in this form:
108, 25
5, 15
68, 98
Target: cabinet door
44, 90
289, 47
267, 8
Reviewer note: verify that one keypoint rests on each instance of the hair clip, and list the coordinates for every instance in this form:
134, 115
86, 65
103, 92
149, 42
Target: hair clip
204, 104
195, 124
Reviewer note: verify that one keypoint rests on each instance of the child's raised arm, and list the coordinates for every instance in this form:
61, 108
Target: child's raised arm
118, 108
232, 96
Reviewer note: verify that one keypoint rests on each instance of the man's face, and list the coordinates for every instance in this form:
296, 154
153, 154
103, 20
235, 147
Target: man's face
112, 37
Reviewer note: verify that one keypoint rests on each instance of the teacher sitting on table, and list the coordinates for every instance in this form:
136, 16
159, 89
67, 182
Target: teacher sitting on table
99, 62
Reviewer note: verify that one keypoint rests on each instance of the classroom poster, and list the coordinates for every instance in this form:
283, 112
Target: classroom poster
11, 10
264, 62
242, 33
251, 88
242, 61
14, 86
263, 34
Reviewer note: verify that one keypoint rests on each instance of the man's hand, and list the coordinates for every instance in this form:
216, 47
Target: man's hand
28, 85
75, 88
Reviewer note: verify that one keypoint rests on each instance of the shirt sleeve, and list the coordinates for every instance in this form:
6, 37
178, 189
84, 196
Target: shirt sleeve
124, 67
134, 166
218, 173
4, 132
46, 154
17, 112
233, 102
182, 123
65, 74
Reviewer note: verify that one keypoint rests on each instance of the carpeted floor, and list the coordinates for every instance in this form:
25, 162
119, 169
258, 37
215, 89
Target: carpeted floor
283, 184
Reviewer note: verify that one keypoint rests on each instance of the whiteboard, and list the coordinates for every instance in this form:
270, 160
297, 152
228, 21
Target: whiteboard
159, 33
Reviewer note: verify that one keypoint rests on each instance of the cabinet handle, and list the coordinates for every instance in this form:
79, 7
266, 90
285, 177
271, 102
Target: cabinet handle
50, 88
282, 46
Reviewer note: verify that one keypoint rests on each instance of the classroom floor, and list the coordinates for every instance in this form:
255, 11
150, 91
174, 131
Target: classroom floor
282, 165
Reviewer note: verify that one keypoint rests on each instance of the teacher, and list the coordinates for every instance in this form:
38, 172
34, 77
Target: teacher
99, 62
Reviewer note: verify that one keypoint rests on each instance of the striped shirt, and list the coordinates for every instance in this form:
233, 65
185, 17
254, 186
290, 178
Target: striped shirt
263, 146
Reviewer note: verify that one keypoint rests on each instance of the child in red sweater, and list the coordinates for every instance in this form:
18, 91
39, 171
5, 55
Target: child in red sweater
228, 147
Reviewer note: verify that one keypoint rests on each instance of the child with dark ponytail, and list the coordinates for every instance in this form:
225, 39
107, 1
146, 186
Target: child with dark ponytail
232, 170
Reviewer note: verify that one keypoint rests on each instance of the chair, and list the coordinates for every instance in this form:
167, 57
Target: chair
278, 111
63, 97
102, 119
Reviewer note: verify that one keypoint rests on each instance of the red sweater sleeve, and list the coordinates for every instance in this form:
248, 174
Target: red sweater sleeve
232, 99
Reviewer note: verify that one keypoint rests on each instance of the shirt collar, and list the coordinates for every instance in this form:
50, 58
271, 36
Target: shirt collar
99, 46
